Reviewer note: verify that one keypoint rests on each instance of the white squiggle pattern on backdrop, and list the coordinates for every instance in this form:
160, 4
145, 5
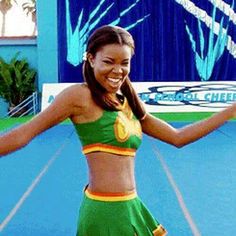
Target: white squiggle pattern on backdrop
225, 8
204, 17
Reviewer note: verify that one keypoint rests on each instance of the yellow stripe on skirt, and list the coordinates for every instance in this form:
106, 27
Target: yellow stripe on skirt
116, 214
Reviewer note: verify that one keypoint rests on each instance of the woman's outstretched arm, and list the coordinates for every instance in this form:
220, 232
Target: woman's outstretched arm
179, 137
62, 108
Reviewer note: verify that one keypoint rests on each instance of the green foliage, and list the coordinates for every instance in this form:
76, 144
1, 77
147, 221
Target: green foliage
17, 80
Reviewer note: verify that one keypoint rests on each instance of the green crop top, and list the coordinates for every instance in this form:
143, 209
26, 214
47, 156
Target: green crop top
117, 132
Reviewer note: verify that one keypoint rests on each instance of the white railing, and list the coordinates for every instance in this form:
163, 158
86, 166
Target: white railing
29, 106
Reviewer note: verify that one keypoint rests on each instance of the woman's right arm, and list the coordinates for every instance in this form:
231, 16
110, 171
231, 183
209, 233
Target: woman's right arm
62, 108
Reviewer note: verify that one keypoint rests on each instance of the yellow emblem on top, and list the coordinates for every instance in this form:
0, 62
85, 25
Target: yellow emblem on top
125, 125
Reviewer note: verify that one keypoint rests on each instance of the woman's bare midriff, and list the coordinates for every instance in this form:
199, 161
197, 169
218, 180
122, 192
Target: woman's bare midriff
110, 173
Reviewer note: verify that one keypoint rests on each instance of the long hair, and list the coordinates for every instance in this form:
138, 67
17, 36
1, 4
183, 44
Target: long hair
106, 35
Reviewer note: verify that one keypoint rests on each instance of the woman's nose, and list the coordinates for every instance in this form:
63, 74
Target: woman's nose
117, 69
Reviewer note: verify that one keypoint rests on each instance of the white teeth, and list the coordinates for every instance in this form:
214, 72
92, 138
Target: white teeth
114, 80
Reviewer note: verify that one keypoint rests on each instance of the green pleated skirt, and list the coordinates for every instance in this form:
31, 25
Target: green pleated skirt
116, 215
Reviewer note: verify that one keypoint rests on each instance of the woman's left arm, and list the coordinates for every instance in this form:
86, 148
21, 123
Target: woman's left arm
179, 137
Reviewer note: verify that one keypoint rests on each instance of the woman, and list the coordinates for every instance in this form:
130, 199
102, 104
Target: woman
109, 119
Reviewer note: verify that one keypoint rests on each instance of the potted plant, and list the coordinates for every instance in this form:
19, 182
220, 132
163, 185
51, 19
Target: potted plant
17, 80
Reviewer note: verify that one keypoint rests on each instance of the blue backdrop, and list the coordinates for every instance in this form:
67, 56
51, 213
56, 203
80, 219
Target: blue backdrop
176, 40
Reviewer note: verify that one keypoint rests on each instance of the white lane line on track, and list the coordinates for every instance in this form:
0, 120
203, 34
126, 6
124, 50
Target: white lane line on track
30, 189
178, 194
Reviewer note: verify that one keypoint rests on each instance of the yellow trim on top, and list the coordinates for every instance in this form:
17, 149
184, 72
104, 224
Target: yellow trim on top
98, 147
110, 198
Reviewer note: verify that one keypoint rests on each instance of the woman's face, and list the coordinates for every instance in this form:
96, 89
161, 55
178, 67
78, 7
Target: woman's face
111, 66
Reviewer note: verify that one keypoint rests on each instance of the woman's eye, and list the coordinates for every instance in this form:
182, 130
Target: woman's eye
107, 62
125, 63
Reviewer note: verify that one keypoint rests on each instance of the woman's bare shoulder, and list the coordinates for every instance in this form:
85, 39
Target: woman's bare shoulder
77, 88
78, 93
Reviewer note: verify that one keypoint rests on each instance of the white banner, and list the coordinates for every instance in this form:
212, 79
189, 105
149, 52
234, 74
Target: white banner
170, 96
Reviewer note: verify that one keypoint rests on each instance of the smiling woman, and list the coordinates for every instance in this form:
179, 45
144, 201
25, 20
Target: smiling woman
111, 65
109, 120
17, 18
